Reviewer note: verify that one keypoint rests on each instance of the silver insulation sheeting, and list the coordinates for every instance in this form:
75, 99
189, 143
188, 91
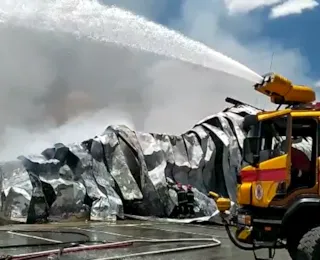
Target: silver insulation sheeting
121, 171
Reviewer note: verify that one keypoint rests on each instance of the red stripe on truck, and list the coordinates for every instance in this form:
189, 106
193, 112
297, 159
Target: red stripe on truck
264, 175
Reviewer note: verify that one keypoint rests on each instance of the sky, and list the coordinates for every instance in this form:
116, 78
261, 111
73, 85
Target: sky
282, 27
66, 74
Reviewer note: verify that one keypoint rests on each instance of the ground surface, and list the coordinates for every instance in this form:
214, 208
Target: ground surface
128, 230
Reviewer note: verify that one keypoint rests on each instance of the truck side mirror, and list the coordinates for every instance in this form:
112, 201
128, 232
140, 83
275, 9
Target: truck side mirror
251, 150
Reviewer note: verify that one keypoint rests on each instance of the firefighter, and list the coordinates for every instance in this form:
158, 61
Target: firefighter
190, 198
173, 186
182, 201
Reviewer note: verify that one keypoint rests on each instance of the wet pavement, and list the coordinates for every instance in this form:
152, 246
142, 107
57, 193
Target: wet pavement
161, 233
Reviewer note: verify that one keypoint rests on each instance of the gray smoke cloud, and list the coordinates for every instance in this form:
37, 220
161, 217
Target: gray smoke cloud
60, 88
53, 82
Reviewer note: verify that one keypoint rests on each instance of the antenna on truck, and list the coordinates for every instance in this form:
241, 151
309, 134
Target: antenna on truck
271, 63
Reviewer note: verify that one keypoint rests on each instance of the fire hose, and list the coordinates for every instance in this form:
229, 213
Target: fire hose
80, 247
170, 250
236, 242
225, 205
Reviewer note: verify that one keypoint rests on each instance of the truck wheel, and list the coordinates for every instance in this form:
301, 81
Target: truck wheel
292, 245
309, 246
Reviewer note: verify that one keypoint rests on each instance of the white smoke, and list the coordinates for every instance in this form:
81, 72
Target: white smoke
21, 141
58, 87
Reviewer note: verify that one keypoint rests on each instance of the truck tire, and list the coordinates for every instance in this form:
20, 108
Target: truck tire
292, 245
309, 246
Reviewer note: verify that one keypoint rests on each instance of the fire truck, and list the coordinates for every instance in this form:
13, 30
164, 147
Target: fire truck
278, 196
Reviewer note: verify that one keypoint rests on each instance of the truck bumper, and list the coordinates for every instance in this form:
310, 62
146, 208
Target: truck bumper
257, 230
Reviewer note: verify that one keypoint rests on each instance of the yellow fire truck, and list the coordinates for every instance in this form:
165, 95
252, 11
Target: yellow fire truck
278, 192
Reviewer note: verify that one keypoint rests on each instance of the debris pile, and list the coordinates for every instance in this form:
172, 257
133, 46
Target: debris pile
122, 171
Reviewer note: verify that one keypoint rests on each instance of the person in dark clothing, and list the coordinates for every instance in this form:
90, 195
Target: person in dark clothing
173, 186
182, 201
300, 170
190, 198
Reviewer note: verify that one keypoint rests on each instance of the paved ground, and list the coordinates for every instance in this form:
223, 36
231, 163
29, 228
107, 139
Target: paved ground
128, 230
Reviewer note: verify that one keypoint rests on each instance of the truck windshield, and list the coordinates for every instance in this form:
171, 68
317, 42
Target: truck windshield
273, 135
272, 143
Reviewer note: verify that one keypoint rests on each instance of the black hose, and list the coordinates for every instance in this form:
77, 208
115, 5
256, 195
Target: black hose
242, 246
235, 242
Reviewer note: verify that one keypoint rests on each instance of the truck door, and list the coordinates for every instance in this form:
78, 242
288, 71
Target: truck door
273, 169
303, 152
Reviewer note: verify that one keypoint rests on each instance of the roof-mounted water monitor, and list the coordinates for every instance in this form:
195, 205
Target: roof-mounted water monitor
282, 91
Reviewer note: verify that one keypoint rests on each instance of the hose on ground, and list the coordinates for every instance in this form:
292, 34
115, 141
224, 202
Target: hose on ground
58, 252
176, 240
166, 251
124, 244
224, 223
69, 244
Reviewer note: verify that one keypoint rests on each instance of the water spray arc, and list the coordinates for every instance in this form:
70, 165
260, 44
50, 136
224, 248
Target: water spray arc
84, 18
69, 45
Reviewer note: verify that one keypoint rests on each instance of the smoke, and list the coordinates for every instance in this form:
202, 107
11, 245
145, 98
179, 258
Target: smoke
60, 88
55, 87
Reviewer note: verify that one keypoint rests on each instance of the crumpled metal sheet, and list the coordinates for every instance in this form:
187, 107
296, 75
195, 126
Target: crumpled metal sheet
116, 161
132, 153
222, 176
97, 187
236, 119
100, 164
242, 110
234, 157
64, 191
235, 123
104, 179
164, 142
150, 183
181, 167
16, 192
227, 134
204, 206
209, 154
156, 163
38, 209
196, 160
172, 192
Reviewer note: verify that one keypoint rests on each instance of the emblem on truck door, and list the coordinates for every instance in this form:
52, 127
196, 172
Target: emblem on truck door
258, 192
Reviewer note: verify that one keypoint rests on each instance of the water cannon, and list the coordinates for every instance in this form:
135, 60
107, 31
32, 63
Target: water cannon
282, 92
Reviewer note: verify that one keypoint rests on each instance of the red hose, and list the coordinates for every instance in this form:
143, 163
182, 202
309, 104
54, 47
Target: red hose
71, 250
